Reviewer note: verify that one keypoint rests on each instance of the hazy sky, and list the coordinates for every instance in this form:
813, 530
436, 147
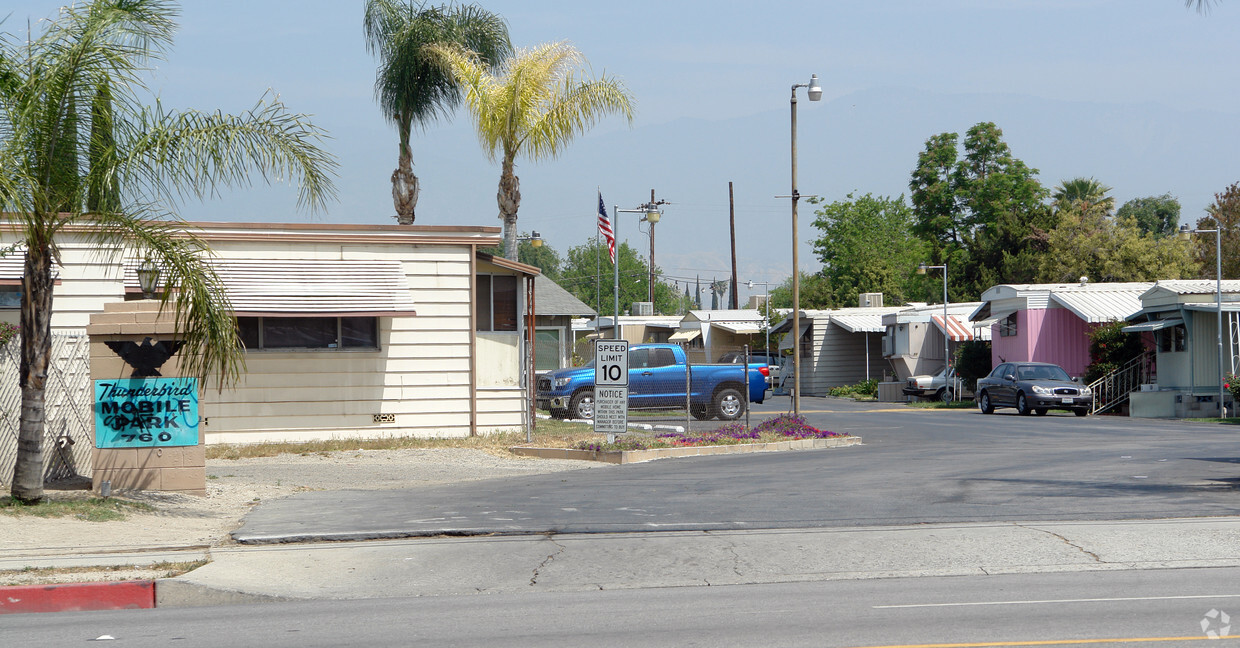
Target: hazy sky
712, 65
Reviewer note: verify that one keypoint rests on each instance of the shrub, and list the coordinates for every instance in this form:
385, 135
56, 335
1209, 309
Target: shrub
1110, 348
8, 332
973, 361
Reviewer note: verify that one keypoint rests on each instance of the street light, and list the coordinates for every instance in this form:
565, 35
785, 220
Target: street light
815, 93
534, 238
651, 212
652, 216
921, 270
1218, 297
766, 302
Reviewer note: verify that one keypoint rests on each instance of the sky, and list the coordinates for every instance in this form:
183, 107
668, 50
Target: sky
1139, 94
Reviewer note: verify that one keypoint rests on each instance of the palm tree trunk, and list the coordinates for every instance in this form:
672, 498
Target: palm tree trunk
404, 187
509, 198
36, 350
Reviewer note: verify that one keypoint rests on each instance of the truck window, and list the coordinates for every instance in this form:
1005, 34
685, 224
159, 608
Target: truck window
662, 358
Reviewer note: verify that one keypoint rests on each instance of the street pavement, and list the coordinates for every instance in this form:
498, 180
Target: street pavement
930, 493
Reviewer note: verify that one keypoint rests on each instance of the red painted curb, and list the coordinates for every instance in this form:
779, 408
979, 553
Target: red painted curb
73, 597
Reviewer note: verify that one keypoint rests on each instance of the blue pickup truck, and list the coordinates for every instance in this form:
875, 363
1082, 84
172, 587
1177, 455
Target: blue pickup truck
657, 381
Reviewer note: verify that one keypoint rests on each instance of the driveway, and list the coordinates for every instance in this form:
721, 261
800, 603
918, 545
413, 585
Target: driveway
916, 466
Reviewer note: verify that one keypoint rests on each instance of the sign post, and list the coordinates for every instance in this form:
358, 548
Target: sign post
611, 387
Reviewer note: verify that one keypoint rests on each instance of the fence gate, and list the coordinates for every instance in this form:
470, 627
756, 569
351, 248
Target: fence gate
69, 433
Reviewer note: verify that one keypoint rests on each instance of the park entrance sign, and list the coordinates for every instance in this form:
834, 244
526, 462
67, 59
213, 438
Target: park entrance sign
611, 387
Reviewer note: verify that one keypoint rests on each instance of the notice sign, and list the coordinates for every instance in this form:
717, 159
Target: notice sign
146, 412
611, 410
611, 363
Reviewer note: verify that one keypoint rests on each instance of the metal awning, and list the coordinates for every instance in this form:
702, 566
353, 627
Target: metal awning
859, 323
787, 341
1154, 325
957, 330
306, 287
684, 336
739, 328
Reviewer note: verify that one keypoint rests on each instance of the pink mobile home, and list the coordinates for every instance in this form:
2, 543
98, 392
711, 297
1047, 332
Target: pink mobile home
1051, 322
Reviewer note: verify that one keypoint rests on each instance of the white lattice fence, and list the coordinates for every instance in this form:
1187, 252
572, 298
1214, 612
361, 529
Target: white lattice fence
69, 433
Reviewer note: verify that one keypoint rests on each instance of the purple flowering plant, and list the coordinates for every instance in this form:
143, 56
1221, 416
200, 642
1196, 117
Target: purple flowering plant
780, 428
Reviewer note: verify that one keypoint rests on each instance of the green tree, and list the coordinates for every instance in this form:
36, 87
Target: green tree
1084, 193
1223, 214
1158, 215
587, 273
411, 85
1110, 348
867, 245
981, 210
1090, 244
536, 104
815, 292
80, 153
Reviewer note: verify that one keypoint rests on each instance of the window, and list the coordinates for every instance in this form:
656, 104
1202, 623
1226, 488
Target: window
497, 302
10, 297
300, 333
547, 349
1172, 339
1007, 326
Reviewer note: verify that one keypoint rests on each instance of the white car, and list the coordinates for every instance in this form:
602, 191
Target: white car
937, 387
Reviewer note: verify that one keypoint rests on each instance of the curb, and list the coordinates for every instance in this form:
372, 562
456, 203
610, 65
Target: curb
634, 456
77, 597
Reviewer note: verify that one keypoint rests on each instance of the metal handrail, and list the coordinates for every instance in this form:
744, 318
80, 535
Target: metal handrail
1113, 389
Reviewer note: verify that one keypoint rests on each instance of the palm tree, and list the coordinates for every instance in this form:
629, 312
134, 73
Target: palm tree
537, 103
80, 155
1084, 193
411, 85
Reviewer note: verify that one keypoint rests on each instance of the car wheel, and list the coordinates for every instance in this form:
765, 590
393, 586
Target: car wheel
1081, 412
984, 404
729, 404
582, 405
559, 413
1041, 411
1022, 405
699, 412
946, 395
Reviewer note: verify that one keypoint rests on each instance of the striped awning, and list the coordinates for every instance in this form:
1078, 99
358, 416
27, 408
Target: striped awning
955, 329
305, 287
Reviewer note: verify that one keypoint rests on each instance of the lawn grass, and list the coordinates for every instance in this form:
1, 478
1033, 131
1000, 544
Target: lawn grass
90, 509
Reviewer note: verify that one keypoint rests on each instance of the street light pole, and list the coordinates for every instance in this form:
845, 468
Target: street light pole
652, 215
921, 270
815, 93
1218, 299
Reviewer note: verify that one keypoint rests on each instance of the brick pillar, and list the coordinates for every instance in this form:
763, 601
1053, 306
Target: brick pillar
178, 468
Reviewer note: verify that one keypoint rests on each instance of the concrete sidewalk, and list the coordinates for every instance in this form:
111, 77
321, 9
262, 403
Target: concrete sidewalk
449, 566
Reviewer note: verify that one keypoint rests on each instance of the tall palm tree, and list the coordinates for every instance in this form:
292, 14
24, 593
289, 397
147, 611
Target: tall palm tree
539, 100
81, 155
1084, 193
411, 85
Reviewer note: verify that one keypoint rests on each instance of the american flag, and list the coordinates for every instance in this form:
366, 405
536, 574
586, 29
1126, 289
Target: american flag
604, 227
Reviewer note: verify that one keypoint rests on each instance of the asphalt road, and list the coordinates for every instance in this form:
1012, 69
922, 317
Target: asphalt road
1119, 608
916, 466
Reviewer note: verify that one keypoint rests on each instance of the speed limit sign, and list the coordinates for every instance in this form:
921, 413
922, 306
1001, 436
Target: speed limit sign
611, 363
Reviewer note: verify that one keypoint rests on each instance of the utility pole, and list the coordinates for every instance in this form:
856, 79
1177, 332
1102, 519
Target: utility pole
732, 224
650, 286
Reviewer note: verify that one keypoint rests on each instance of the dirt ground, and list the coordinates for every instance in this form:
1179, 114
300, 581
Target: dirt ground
233, 488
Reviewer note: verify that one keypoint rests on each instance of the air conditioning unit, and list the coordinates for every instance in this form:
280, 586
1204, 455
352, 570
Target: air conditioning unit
643, 308
870, 300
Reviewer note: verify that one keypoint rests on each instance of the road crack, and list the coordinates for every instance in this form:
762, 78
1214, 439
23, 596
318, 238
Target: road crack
1096, 558
548, 560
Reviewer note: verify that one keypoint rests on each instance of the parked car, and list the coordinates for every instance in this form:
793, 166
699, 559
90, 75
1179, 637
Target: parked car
939, 387
1032, 387
657, 381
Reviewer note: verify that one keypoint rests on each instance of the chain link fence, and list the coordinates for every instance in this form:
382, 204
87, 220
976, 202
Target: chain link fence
69, 432
673, 389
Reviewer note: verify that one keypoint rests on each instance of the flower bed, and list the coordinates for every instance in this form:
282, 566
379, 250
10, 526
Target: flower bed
785, 427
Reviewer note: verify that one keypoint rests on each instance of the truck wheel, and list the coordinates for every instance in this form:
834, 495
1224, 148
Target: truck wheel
729, 404
984, 404
582, 405
700, 412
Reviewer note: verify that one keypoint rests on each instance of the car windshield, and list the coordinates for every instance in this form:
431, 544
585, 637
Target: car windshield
1041, 372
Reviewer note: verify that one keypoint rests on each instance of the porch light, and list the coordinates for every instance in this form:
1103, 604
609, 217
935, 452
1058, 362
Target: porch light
148, 278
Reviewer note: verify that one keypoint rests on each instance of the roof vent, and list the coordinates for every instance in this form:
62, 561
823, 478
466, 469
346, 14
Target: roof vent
1084, 280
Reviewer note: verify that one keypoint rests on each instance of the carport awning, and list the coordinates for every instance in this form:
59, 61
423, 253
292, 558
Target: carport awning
739, 328
1155, 325
683, 336
302, 287
859, 323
